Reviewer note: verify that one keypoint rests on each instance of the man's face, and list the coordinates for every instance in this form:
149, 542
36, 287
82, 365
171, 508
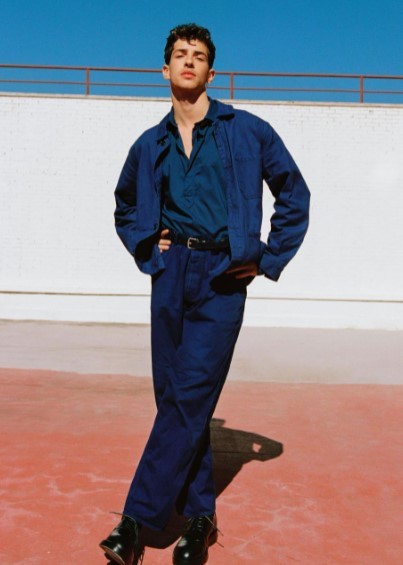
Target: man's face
188, 68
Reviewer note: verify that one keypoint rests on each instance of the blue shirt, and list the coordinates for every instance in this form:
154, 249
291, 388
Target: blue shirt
194, 188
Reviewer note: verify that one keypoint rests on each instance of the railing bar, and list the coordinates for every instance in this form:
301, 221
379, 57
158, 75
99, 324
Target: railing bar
291, 89
151, 85
308, 75
73, 68
18, 81
223, 73
383, 91
130, 84
210, 87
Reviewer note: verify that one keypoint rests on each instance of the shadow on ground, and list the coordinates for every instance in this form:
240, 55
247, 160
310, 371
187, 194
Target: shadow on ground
232, 449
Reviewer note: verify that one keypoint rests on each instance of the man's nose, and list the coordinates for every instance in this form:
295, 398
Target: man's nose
189, 60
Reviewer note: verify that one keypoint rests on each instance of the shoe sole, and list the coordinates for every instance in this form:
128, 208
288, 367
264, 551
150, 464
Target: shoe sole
114, 557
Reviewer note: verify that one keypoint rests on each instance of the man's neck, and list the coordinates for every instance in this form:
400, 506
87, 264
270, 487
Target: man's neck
189, 110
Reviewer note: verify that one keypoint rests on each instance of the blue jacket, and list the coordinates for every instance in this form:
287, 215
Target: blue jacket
251, 151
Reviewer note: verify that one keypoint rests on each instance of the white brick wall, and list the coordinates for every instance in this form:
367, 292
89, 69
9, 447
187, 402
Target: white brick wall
60, 159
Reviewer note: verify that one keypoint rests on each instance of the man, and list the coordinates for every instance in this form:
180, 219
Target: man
189, 210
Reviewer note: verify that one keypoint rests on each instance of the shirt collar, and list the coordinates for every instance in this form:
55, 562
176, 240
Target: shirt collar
171, 124
212, 113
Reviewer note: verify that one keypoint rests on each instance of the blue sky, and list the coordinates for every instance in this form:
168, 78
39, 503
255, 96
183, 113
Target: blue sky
346, 36
319, 36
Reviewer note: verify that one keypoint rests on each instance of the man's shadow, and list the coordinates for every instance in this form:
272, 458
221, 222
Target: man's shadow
232, 449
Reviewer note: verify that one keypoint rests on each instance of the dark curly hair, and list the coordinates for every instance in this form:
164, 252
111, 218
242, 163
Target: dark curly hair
189, 32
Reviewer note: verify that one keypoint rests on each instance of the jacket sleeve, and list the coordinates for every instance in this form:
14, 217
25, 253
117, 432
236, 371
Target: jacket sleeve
126, 202
289, 222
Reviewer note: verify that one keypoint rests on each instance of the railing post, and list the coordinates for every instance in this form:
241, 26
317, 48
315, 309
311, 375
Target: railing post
361, 89
231, 86
87, 81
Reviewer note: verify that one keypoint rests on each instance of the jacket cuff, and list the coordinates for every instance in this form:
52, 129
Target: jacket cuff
269, 265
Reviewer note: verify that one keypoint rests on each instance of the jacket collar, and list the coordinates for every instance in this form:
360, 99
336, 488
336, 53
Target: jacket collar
224, 111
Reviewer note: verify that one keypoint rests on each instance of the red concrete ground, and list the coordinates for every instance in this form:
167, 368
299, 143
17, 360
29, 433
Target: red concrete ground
306, 473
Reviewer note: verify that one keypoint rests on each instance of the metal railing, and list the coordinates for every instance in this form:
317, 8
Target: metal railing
233, 84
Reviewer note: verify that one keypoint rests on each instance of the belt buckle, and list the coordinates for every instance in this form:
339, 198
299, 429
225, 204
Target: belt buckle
191, 240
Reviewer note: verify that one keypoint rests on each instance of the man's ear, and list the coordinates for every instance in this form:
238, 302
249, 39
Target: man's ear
165, 72
211, 75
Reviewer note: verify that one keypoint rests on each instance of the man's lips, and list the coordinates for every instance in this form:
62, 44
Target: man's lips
188, 74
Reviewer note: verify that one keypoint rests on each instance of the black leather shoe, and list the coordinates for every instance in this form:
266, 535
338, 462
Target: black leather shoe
122, 545
192, 548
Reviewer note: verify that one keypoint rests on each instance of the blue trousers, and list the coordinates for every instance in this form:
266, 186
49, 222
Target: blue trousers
195, 322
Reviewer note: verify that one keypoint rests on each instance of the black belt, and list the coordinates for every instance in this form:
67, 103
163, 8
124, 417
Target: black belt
198, 242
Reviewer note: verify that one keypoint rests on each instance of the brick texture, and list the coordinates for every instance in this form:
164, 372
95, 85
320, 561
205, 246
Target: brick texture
61, 157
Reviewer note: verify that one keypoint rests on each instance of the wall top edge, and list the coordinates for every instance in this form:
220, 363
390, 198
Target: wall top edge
225, 100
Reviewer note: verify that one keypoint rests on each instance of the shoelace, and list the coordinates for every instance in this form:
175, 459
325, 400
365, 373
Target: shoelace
198, 524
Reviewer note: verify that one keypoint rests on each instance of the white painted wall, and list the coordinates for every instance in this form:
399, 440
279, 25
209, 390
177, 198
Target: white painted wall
60, 259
